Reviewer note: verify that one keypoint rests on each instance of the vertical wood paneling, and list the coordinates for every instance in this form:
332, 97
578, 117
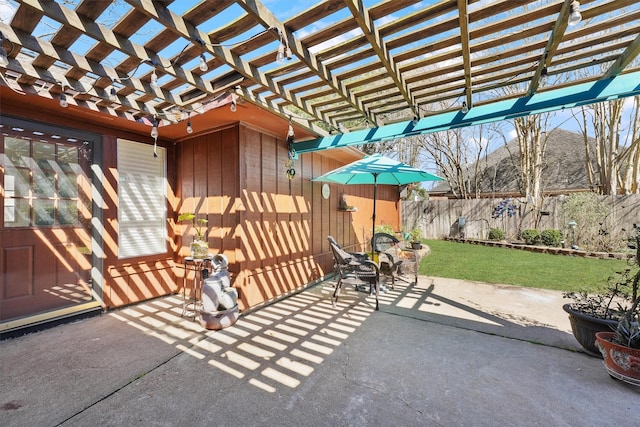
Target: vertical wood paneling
230, 189
17, 280
215, 192
278, 234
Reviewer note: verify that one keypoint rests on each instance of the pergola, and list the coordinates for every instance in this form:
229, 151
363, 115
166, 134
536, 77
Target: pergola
344, 71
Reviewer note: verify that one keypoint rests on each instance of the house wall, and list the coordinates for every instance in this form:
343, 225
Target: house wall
273, 230
120, 282
131, 280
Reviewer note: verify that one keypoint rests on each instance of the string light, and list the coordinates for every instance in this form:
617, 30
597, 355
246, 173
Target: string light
233, 106
203, 63
63, 98
189, 128
280, 54
290, 132
574, 17
283, 48
154, 79
464, 109
154, 129
113, 96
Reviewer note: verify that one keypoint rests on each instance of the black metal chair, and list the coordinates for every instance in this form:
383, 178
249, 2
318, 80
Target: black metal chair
395, 262
354, 269
385, 246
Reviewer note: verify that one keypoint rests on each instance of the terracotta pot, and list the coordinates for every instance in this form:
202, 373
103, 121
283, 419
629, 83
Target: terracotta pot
584, 328
621, 362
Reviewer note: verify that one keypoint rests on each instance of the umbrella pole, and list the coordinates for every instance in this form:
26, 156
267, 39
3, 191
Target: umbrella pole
373, 228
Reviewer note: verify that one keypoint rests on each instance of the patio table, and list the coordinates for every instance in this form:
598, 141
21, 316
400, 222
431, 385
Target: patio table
200, 268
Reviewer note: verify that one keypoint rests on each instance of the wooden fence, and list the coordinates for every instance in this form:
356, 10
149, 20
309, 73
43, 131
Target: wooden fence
474, 218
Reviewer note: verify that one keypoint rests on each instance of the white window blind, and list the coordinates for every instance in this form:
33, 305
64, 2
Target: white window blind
142, 207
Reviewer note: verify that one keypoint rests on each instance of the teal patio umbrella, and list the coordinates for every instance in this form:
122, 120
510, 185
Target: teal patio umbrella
376, 169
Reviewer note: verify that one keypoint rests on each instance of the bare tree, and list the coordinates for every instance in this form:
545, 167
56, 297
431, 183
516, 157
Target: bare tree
532, 141
630, 155
457, 154
617, 160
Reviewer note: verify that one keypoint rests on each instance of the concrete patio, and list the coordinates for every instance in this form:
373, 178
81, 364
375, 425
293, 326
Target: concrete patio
442, 353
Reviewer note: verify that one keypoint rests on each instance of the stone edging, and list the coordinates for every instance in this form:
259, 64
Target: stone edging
541, 249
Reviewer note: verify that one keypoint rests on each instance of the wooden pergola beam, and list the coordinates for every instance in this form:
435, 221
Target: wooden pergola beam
576, 95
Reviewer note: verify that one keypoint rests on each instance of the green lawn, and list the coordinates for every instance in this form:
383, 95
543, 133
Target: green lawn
517, 267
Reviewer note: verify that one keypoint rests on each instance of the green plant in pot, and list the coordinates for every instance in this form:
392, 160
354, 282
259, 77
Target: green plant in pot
593, 313
621, 349
199, 248
415, 238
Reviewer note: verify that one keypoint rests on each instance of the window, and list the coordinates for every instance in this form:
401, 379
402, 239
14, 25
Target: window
44, 181
142, 206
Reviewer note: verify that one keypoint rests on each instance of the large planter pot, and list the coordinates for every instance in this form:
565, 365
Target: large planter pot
585, 327
621, 362
217, 320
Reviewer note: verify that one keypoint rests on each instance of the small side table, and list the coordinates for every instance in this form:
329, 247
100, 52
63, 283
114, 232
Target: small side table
415, 255
198, 266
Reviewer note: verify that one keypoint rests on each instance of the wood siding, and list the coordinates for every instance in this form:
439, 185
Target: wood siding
131, 280
273, 230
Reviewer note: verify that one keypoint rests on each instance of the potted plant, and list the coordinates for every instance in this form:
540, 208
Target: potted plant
415, 238
621, 349
591, 314
199, 247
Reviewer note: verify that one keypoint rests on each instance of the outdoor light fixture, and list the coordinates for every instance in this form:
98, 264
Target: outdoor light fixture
112, 94
63, 98
4, 58
154, 129
290, 132
280, 54
233, 107
154, 79
415, 120
283, 49
574, 16
189, 128
203, 63
464, 109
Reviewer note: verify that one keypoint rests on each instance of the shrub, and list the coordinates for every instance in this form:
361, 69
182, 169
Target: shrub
531, 236
589, 212
496, 234
415, 235
551, 237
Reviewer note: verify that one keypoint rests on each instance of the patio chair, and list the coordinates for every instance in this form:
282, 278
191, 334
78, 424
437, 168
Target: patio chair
395, 262
354, 269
